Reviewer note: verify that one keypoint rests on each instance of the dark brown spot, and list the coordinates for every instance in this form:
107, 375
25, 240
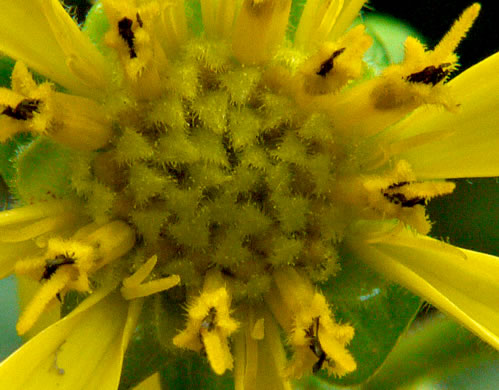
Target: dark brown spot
139, 20
125, 31
24, 110
209, 321
315, 345
52, 265
327, 65
398, 185
430, 75
400, 198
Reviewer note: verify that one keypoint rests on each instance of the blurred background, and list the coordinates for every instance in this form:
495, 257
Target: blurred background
468, 218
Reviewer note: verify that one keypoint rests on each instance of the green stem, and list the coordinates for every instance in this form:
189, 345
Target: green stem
436, 349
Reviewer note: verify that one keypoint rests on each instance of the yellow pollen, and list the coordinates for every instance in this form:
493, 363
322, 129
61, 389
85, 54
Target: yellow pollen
67, 265
318, 341
209, 324
41, 300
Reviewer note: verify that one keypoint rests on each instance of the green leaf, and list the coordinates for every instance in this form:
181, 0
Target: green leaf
144, 355
314, 383
438, 348
389, 35
9, 340
8, 153
4, 195
475, 226
96, 25
193, 372
42, 171
294, 17
6, 66
379, 311
194, 18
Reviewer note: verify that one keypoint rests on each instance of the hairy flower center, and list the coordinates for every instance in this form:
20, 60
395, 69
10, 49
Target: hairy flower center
235, 177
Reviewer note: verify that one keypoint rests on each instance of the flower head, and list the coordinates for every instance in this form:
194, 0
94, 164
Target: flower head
222, 170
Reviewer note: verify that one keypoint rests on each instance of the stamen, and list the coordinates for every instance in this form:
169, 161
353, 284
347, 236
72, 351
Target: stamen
375, 105
67, 264
74, 121
132, 35
210, 324
143, 272
430, 75
398, 194
333, 65
458, 31
305, 316
132, 287
25, 105
125, 32
43, 297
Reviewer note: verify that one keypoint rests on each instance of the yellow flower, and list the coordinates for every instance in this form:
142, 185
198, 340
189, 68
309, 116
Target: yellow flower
228, 167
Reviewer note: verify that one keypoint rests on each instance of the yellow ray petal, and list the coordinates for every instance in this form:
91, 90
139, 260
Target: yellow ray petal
217, 350
151, 383
172, 25
82, 351
26, 290
218, 17
259, 29
462, 283
10, 253
260, 363
349, 11
466, 143
316, 22
447, 46
271, 358
33, 212
36, 229
42, 299
42, 34
107, 374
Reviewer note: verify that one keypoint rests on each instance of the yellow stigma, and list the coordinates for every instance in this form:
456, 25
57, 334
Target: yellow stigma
210, 324
305, 315
67, 264
134, 288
